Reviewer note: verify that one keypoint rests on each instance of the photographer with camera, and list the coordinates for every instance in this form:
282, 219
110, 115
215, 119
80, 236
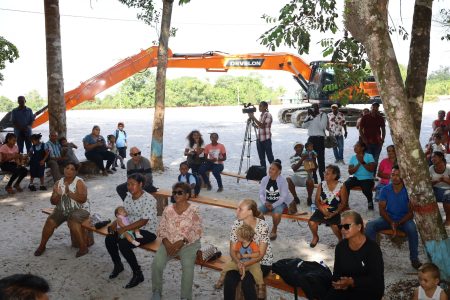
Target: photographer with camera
317, 122
264, 141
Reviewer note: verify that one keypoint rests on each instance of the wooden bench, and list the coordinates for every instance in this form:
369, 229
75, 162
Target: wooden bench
272, 280
163, 196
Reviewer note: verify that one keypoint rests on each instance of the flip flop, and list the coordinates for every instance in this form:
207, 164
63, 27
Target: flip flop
312, 245
272, 236
39, 252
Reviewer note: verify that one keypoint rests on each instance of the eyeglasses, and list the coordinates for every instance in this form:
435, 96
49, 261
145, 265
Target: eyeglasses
135, 154
179, 193
344, 226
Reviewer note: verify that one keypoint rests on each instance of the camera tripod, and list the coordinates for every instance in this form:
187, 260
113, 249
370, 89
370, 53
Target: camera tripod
246, 146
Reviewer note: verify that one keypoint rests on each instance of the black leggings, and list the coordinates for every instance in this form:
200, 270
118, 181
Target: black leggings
99, 156
114, 244
366, 186
18, 172
232, 279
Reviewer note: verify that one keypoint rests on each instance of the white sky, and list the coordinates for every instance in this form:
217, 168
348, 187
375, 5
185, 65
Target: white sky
90, 46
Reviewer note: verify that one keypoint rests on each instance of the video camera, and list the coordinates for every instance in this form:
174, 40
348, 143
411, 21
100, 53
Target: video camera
248, 108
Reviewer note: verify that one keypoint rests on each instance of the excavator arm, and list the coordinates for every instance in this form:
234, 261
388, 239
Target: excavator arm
307, 75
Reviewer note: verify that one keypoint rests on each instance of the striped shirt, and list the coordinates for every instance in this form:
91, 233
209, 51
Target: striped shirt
54, 148
264, 132
300, 171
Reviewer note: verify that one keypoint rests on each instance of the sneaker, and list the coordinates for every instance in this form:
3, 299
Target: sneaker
220, 189
114, 169
32, 187
122, 167
42, 188
370, 206
416, 264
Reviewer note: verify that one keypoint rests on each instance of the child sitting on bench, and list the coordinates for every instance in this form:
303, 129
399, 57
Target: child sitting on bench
122, 221
245, 249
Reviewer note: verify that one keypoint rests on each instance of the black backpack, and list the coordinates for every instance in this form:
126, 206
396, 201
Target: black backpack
256, 173
313, 278
197, 180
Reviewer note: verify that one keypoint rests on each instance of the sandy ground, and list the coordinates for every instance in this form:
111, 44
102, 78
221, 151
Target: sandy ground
87, 277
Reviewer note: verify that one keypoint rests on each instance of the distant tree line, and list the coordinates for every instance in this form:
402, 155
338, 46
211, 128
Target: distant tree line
139, 92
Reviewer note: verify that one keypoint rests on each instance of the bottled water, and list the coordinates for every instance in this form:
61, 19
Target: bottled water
313, 207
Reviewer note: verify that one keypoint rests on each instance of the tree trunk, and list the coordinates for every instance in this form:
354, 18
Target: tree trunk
55, 80
367, 21
419, 53
160, 91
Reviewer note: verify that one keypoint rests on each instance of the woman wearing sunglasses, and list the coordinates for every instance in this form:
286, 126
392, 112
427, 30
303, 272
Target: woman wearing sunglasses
331, 200
358, 263
142, 214
180, 230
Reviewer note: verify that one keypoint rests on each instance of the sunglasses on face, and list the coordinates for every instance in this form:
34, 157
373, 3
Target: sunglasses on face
344, 226
135, 154
179, 193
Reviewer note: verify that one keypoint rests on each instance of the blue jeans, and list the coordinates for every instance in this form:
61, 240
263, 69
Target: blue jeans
375, 150
409, 228
264, 148
215, 169
23, 137
339, 150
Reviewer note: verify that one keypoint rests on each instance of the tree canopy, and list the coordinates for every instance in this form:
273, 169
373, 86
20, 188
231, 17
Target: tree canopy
8, 53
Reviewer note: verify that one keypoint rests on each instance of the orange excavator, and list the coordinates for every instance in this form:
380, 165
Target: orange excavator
311, 77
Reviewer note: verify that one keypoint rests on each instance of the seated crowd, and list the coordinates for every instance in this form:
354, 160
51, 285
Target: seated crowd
358, 269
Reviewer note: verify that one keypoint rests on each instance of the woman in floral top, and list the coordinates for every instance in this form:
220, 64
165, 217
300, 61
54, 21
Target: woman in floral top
331, 200
180, 230
247, 212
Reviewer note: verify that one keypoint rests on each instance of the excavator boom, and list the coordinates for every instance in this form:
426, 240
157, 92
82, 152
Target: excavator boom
212, 61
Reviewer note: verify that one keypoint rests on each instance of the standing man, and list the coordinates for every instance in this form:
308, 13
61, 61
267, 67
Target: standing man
141, 165
317, 122
22, 118
336, 120
264, 141
121, 141
372, 131
396, 213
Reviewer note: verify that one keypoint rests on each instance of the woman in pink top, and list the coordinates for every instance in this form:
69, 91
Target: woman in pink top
384, 170
180, 230
9, 162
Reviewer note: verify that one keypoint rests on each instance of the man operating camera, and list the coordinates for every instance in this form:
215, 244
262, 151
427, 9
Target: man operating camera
264, 141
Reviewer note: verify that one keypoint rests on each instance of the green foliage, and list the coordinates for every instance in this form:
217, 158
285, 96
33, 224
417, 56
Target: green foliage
139, 92
35, 100
6, 104
443, 74
8, 53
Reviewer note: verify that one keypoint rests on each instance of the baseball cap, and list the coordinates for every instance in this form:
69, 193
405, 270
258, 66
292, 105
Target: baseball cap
334, 105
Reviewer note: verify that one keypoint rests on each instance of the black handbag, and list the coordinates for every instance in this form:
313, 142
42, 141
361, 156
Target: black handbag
256, 173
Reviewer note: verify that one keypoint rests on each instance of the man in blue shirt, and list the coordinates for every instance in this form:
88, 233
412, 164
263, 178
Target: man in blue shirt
396, 213
22, 118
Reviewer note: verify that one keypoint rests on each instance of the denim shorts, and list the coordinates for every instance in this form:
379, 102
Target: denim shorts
442, 195
277, 210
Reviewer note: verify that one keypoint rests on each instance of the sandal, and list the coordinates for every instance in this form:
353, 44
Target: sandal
10, 190
18, 188
312, 245
81, 253
272, 236
39, 252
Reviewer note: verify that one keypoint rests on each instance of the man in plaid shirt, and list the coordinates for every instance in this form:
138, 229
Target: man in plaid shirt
264, 141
